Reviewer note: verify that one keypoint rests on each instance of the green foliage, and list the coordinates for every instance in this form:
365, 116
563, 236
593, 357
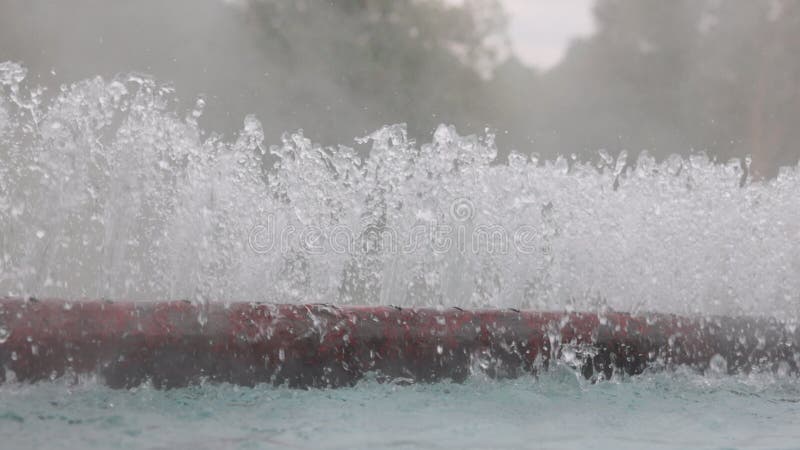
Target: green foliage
678, 75
662, 76
408, 61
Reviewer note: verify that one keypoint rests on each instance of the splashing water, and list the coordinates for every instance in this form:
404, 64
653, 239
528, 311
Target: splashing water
108, 190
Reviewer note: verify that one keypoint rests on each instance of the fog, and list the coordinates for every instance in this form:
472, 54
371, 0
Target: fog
666, 77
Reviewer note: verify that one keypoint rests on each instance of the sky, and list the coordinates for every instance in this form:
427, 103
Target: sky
540, 30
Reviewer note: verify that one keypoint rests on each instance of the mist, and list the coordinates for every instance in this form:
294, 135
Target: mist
663, 77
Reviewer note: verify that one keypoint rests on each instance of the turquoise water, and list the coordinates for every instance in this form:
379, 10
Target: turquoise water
557, 410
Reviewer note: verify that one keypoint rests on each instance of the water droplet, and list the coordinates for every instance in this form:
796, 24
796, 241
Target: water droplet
11, 73
439, 349
784, 369
718, 365
4, 334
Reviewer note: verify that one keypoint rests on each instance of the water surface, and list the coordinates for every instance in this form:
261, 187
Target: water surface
558, 410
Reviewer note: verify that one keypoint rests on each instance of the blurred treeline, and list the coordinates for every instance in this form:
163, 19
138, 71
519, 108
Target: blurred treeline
721, 76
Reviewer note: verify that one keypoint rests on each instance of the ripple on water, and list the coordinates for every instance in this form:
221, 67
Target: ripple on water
558, 410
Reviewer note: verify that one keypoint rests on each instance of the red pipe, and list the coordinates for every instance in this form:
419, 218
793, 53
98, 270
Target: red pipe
177, 343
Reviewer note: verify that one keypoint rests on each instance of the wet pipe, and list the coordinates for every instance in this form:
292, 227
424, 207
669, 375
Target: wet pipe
176, 343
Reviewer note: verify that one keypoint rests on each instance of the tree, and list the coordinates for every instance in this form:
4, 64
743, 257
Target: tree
681, 75
352, 66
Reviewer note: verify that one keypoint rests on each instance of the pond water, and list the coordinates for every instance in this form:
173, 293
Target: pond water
558, 410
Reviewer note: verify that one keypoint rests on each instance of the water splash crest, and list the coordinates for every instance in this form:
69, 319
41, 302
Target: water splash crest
109, 189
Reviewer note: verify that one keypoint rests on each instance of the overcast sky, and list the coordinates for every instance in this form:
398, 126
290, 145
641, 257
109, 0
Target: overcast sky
541, 29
